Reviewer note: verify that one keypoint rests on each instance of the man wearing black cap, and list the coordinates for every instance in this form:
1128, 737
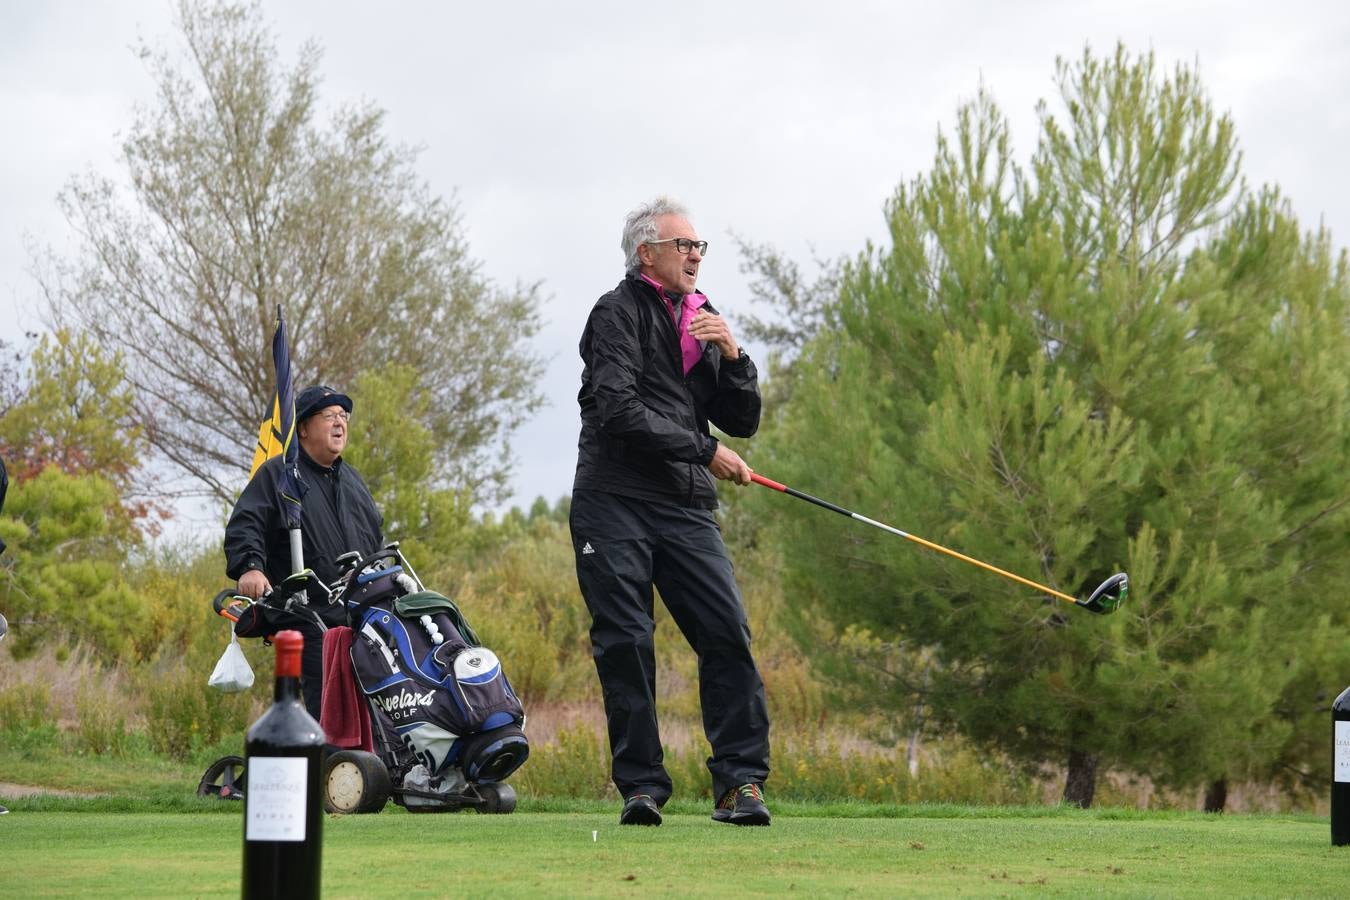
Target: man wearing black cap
338, 515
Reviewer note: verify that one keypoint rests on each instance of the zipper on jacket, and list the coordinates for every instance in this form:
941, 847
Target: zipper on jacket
676, 356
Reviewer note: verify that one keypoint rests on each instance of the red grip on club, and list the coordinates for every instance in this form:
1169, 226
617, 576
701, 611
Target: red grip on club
767, 482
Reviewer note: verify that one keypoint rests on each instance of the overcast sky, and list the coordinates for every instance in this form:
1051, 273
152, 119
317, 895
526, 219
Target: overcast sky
788, 123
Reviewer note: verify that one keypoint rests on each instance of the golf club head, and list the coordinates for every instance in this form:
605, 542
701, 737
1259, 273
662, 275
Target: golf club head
1108, 596
4, 625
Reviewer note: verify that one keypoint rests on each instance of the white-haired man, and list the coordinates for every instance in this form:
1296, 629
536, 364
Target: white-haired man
659, 364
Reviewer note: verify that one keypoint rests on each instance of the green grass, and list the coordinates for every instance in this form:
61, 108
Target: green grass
147, 835
915, 851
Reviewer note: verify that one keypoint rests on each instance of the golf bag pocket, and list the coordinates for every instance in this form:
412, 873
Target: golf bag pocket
428, 686
485, 696
376, 586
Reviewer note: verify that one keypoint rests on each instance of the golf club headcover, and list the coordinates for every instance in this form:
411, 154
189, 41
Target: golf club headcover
253, 623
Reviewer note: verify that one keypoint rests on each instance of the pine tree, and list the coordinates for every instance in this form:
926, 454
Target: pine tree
1071, 370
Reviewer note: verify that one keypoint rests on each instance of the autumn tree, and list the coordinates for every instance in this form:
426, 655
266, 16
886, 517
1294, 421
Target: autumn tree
238, 199
74, 411
70, 517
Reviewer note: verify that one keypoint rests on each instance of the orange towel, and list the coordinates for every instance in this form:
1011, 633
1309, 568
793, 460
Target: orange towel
344, 716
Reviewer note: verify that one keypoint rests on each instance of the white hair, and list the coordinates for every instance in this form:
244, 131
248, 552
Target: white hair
640, 227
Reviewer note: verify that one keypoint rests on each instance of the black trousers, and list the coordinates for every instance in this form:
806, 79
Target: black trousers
255, 623
311, 667
623, 548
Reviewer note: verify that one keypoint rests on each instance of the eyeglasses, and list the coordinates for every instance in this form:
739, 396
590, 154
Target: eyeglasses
331, 417
684, 245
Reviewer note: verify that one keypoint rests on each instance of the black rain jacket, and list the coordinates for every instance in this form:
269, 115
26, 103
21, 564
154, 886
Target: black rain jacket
4, 486
644, 423
256, 535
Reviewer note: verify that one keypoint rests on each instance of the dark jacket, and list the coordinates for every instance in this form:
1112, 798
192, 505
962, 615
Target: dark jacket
4, 486
644, 423
338, 515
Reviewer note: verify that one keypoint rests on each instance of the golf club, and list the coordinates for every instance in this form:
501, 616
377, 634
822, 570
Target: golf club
1107, 598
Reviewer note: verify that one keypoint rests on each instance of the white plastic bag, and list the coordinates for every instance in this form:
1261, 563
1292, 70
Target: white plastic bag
232, 672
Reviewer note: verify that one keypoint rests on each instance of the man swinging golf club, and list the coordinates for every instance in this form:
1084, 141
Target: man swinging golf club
659, 363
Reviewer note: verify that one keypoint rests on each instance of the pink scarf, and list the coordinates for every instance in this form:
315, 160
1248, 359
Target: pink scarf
690, 347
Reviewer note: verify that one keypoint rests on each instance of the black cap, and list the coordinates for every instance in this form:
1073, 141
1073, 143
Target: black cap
317, 397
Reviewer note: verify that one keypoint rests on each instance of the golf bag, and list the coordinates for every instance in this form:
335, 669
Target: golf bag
430, 686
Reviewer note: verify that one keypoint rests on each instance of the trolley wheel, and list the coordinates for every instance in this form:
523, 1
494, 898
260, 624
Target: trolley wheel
224, 779
498, 797
355, 781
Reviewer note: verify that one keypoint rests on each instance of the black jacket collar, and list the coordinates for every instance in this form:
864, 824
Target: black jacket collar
316, 466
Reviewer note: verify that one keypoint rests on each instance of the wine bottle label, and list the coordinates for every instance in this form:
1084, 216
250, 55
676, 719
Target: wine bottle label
275, 798
1342, 755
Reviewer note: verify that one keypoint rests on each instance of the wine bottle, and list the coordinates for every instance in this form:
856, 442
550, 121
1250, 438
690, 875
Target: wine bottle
283, 809
1340, 770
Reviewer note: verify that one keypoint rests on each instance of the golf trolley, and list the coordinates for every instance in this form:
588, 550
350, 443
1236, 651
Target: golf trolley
445, 725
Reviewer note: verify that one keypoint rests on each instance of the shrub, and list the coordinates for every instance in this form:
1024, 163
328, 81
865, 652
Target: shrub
526, 607
25, 705
182, 714
177, 584
102, 724
575, 764
795, 694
